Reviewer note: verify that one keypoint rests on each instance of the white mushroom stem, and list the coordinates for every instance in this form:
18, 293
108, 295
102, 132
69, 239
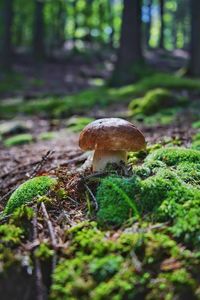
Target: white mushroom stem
102, 157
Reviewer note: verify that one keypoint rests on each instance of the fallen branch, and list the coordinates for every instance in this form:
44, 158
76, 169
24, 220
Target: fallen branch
74, 160
41, 163
137, 264
50, 226
38, 273
92, 195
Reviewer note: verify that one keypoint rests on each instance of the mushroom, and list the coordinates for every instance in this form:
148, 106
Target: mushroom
110, 138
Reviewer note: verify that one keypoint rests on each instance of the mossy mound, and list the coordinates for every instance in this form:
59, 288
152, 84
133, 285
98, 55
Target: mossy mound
115, 199
153, 102
164, 188
123, 265
19, 139
29, 190
172, 156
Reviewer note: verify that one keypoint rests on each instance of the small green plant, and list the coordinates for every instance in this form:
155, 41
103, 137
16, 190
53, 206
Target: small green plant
76, 124
105, 267
18, 139
196, 141
29, 190
10, 234
45, 136
44, 252
196, 124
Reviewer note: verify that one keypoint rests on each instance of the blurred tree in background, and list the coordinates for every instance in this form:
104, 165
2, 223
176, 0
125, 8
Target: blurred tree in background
40, 28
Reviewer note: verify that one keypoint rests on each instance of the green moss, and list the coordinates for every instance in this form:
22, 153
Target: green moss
174, 155
146, 196
18, 139
45, 136
122, 265
196, 145
153, 101
163, 117
158, 190
10, 237
196, 141
115, 198
10, 234
29, 190
196, 124
177, 284
186, 226
21, 213
44, 252
189, 172
105, 267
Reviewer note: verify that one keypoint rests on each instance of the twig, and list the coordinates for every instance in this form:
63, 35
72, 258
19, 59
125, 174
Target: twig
80, 158
18, 168
71, 199
49, 225
38, 272
8, 194
51, 233
40, 164
136, 262
92, 195
95, 175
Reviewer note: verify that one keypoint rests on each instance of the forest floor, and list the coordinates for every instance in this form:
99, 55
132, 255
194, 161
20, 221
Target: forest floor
17, 162
52, 148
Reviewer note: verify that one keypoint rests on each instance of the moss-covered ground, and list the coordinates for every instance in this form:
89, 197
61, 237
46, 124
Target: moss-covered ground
129, 233
143, 241
102, 96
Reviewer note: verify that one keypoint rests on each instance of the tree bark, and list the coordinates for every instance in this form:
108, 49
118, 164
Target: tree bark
162, 24
111, 21
194, 67
38, 31
130, 50
148, 24
6, 34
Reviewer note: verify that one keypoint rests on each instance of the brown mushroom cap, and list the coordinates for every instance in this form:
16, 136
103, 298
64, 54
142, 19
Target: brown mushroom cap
111, 134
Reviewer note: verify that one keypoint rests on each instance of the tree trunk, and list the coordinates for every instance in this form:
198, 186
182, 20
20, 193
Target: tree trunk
6, 34
148, 24
38, 31
162, 24
194, 68
130, 50
111, 22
